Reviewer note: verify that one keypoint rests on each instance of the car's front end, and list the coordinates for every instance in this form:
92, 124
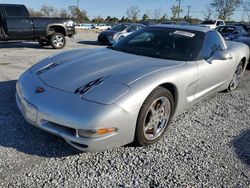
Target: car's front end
86, 125
107, 37
70, 27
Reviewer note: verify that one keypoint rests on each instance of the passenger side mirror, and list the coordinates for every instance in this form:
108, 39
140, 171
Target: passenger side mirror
221, 55
235, 32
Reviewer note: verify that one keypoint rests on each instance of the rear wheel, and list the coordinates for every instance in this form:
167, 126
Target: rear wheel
57, 41
154, 117
236, 78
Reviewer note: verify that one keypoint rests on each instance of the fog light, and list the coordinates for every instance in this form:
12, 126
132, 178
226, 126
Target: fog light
96, 133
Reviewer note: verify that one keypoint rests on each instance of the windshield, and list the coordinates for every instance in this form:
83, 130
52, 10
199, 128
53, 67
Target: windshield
209, 22
120, 27
164, 43
226, 29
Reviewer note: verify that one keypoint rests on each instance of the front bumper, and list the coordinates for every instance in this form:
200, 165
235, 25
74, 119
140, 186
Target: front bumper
105, 39
71, 31
63, 114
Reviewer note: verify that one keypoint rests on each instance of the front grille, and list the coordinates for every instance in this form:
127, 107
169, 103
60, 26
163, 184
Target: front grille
55, 128
103, 39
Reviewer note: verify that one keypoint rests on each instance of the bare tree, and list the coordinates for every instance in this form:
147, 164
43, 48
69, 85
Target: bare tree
246, 9
149, 13
133, 13
158, 13
63, 13
175, 10
77, 14
225, 8
34, 13
208, 13
48, 11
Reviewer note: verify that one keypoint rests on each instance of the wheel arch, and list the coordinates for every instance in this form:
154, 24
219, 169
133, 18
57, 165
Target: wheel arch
56, 28
244, 62
173, 90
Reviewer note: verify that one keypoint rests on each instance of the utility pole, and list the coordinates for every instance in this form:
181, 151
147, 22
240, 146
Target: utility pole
179, 8
188, 10
77, 2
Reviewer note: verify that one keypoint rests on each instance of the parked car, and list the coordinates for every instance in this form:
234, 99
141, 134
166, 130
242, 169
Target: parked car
16, 24
245, 26
234, 33
118, 32
212, 24
102, 98
84, 26
103, 27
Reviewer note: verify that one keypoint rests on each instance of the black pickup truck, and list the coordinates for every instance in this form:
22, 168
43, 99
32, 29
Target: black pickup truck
16, 24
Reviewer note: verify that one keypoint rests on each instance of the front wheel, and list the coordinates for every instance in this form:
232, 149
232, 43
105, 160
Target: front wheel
154, 117
57, 41
236, 78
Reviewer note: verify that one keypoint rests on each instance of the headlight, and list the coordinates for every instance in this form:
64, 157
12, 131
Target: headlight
69, 24
97, 133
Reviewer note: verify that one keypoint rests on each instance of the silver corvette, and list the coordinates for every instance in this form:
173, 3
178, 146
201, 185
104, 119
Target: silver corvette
98, 99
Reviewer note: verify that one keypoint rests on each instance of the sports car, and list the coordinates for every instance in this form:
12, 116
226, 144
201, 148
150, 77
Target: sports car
103, 98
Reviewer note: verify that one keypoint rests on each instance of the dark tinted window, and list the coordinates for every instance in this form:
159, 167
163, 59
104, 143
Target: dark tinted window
213, 43
139, 27
208, 22
132, 28
15, 11
163, 43
120, 27
226, 29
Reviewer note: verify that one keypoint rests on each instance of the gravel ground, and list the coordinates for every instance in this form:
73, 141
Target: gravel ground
207, 146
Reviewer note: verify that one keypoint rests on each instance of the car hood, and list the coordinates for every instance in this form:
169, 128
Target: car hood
71, 70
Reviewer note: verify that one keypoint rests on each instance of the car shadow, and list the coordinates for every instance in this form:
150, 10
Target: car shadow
242, 146
93, 43
16, 133
21, 44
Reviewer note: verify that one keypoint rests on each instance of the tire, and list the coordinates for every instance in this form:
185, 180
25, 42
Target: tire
57, 41
236, 78
154, 117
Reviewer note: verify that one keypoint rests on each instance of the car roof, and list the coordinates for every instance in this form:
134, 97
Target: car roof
185, 27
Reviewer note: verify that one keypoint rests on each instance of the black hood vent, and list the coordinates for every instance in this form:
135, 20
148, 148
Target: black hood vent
83, 89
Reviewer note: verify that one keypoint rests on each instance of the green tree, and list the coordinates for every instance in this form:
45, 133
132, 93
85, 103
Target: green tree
145, 17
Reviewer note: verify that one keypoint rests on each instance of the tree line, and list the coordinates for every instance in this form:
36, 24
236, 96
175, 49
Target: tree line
222, 9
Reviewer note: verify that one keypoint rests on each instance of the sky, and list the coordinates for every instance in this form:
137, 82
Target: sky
117, 8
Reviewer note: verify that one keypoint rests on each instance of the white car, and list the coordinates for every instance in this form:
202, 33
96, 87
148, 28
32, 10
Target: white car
212, 24
84, 26
103, 27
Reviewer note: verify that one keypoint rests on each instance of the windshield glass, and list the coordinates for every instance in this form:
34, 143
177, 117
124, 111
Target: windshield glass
225, 29
119, 27
208, 22
164, 43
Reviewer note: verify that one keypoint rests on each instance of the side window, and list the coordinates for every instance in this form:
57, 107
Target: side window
139, 27
219, 23
15, 11
212, 43
132, 28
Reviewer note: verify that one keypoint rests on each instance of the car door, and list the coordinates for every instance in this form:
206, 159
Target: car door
19, 24
215, 69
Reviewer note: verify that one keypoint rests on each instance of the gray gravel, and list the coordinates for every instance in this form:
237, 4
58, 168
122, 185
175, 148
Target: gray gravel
207, 146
